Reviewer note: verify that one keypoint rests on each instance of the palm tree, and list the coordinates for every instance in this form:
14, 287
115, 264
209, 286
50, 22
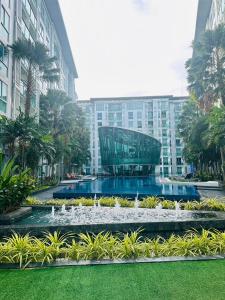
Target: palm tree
36, 54
206, 72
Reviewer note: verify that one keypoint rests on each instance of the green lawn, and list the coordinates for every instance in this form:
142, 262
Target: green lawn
181, 280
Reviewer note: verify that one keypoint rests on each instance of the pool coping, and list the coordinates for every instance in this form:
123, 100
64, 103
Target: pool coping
72, 263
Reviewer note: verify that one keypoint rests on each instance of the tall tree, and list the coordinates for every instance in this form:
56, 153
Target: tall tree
38, 61
65, 121
206, 72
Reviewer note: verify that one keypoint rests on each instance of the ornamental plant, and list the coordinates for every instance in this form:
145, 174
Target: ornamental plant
15, 186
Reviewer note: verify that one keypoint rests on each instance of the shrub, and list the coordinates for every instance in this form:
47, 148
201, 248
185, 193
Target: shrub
25, 249
14, 188
150, 202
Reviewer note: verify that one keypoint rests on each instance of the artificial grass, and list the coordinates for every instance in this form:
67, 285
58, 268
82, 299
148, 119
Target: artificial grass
180, 280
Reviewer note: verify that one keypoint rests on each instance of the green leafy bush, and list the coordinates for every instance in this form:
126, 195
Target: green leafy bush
14, 188
104, 245
149, 202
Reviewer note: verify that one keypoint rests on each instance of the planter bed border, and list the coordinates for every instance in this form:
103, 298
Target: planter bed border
71, 263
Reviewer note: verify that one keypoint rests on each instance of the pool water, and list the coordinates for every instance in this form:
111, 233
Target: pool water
129, 187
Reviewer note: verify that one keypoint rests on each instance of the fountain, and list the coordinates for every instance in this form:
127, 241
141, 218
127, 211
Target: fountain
80, 204
72, 212
177, 209
53, 212
117, 205
136, 202
63, 210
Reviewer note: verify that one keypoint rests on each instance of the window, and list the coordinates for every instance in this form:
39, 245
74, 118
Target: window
130, 115
150, 114
179, 161
179, 151
164, 132
3, 96
111, 116
179, 170
4, 56
114, 106
135, 106
119, 116
111, 124
150, 124
139, 124
100, 106
166, 170
30, 12
99, 124
163, 114
5, 23
164, 141
178, 142
130, 124
165, 160
164, 123
99, 116
139, 115
119, 124
26, 32
165, 151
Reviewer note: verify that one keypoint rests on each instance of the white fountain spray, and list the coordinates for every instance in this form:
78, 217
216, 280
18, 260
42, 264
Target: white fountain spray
63, 210
136, 202
177, 208
158, 208
80, 204
72, 212
53, 212
117, 205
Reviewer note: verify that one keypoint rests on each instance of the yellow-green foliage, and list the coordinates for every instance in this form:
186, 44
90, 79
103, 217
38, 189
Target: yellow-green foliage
107, 201
148, 202
125, 203
33, 201
168, 204
24, 249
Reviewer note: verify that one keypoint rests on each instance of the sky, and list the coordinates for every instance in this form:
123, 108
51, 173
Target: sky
130, 47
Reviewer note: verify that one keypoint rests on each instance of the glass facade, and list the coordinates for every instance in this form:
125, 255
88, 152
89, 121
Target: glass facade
127, 152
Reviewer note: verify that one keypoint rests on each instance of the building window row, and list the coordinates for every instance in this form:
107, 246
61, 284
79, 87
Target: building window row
3, 96
4, 60
5, 23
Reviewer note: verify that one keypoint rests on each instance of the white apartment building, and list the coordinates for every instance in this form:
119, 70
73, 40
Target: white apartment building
39, 20
156, 116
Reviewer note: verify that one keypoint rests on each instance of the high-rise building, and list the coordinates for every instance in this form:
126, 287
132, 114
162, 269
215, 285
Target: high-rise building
210, 14
156, 116
36, 20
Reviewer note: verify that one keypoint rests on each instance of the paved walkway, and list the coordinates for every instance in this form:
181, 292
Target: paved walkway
47, 194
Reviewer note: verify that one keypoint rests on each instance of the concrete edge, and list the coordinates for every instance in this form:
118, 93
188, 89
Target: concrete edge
71, 263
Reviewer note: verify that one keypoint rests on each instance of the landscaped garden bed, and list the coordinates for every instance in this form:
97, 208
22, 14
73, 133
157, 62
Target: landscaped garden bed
212, 204
26, 249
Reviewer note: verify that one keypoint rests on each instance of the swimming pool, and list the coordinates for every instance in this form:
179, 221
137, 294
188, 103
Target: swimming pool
128, 187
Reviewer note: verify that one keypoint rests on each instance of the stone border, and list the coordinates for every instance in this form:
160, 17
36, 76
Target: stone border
11, 217
71, 263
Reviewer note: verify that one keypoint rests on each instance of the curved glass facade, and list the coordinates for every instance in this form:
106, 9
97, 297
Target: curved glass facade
128, 152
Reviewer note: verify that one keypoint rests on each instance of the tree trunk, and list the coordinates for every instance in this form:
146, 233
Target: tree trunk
28, 91
222, 162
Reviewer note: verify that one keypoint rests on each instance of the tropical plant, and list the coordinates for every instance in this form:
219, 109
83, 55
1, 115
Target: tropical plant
206, 73
35, 56
14, 188
26, 140
65, 121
